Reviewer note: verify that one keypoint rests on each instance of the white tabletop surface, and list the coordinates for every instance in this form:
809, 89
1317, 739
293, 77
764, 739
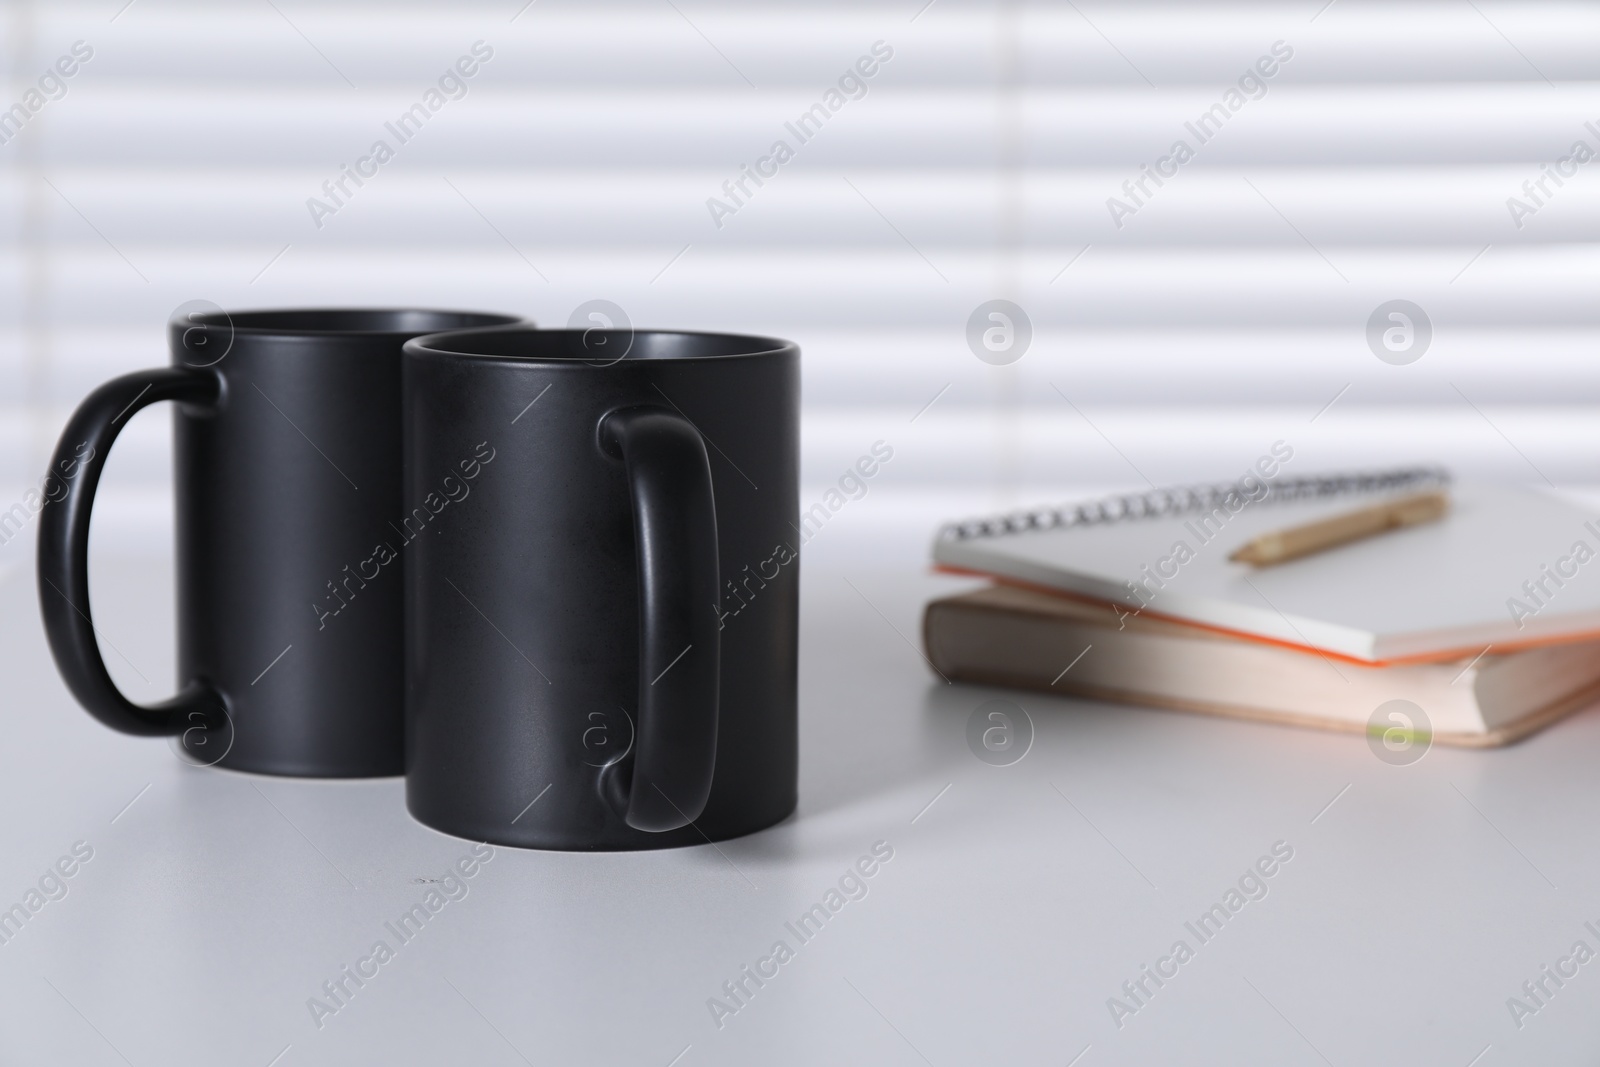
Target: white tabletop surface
1019, 898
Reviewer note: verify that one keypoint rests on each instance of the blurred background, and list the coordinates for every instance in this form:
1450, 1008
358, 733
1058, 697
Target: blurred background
1173, 339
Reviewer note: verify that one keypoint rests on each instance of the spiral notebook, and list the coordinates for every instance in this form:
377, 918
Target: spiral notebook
1508, 567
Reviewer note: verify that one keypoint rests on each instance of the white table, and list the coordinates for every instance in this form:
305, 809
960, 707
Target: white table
1018, 899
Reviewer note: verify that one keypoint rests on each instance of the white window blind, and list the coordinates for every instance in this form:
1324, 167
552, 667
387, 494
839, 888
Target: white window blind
1227, 310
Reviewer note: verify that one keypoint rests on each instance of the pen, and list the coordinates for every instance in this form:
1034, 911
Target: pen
1296, 541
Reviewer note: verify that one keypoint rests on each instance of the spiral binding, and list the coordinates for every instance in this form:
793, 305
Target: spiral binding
1186, 500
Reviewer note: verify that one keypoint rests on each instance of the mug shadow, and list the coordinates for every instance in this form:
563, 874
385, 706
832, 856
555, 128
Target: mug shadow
888, 754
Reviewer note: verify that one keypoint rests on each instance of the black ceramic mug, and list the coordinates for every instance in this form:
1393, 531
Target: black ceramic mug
602, 596
287, 480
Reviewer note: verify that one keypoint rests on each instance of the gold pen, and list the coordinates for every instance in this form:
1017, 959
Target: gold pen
1297, 541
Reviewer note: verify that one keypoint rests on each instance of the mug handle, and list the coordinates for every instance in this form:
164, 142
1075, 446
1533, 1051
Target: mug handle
63, 560
663, 784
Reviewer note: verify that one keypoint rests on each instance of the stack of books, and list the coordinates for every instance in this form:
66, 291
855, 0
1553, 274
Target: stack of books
1485, 615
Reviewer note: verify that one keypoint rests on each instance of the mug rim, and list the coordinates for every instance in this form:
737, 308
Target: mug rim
239, 322
751, 346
